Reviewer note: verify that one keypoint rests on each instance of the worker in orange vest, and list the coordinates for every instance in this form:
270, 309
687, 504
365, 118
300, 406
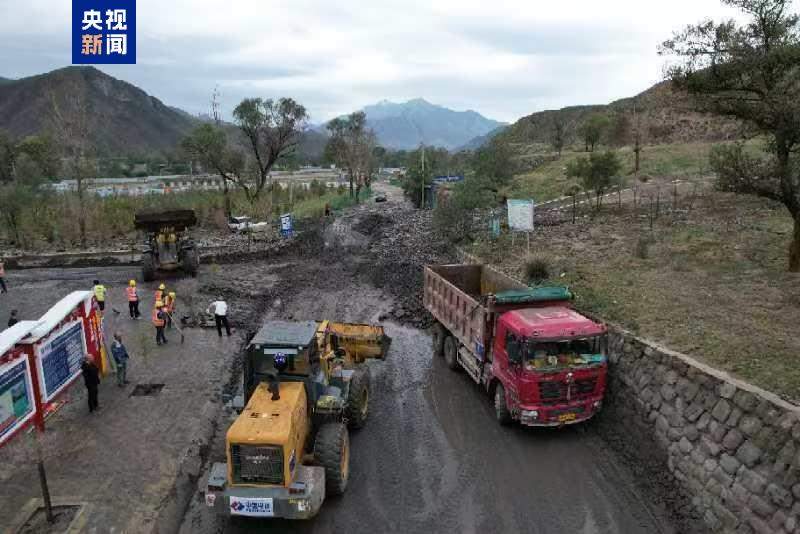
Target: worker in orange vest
159, 319
133, 299
169, 307
160, 293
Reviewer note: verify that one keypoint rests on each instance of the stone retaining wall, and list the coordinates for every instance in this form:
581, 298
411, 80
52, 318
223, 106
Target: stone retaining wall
733, 448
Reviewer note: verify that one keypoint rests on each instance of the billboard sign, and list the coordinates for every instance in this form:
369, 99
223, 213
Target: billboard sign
17, 403
520, 215
60, 358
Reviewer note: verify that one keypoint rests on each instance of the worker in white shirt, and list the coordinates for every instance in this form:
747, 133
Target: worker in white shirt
220, 310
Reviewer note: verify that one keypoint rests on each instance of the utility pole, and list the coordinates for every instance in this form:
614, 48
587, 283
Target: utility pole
422, 189
637, 144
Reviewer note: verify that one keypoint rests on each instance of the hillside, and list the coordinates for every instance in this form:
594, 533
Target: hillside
407, 125
123, 118
477, 142
664, 114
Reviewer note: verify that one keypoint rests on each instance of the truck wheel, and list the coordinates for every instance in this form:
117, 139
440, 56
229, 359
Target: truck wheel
191, 262
332, 452
148, 267
357, 408
451, 352
501, 410
438, 335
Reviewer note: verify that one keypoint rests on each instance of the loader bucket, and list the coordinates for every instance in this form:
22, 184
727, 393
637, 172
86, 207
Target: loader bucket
361, 341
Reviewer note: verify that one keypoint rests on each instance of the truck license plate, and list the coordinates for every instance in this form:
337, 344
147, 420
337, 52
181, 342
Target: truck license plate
253, 507
564, 417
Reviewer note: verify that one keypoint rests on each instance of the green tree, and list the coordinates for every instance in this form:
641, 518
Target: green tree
749, 72
8, 156
271, 130
15, 199
597, 172
592, 130
494, 163
558, 133
208, 144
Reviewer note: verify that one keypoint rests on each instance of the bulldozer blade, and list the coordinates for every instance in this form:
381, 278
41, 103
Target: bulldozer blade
363, 341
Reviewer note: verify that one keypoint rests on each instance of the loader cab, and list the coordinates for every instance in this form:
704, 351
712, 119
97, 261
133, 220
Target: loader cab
283, 348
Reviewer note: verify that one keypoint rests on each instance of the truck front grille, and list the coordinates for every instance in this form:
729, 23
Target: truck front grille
558, 392
257, 464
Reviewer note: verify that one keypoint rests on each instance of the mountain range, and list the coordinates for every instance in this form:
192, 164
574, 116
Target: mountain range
125, 120
409, 124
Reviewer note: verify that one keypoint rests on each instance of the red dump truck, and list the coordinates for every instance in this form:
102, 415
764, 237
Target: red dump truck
542, 362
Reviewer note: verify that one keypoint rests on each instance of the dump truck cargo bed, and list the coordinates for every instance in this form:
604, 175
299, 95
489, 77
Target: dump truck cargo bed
466, 298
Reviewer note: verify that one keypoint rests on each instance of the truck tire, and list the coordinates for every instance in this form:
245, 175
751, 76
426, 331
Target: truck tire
438, 334
148, 267
357, 408
191, 262
451, 352
501, 410
332, 452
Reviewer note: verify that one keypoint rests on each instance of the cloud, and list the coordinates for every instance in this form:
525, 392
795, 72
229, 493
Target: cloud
504, 58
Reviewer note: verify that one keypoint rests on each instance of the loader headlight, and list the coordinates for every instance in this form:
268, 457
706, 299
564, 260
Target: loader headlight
530, 414
301, 504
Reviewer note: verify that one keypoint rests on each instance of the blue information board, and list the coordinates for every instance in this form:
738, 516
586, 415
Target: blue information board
16, 397
286, 225
60, 359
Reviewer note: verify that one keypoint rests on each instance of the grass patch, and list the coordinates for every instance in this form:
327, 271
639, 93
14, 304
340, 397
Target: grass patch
713, 283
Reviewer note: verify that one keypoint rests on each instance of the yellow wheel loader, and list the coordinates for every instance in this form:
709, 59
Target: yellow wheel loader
303, 386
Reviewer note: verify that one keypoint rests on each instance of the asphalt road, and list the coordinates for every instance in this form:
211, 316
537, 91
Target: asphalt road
432, 458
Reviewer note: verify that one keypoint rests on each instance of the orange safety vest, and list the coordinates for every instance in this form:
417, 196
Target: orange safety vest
157, 321
159, 293
2, 269
132, 296
169, 304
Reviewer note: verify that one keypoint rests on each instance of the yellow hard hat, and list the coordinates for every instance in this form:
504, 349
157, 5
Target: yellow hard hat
162, 286
172, 294
159, 304
132, 283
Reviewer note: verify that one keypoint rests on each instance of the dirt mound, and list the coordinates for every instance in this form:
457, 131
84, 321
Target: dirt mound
373, 224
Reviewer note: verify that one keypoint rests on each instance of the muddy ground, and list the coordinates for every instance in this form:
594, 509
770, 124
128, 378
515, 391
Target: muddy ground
432, 458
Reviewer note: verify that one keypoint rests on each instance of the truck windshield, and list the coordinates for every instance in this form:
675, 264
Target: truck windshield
541, 355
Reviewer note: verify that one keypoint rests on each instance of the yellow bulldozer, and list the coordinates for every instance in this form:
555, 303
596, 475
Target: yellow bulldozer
304, 385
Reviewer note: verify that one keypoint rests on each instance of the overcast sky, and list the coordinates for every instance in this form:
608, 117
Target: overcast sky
504, 59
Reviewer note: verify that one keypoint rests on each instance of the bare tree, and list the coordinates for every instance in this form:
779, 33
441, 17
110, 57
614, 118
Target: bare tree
71, 124
217, 118
272, 130
352, 146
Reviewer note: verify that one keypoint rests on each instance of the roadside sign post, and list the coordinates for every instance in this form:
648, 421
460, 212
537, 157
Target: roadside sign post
520, 218
286, 225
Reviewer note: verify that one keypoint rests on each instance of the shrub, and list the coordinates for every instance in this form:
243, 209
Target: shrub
642, 249
537, 269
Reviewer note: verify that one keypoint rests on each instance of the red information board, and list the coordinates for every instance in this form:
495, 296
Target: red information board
39, 360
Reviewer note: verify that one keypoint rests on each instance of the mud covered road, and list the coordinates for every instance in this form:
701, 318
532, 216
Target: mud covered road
432, 458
